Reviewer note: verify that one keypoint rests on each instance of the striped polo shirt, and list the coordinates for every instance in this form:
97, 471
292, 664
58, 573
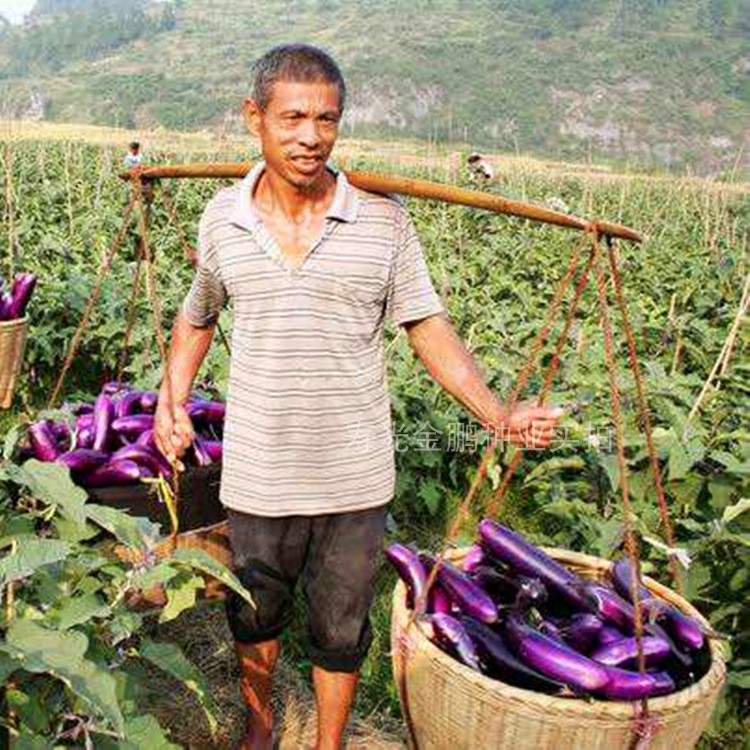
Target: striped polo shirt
308, 423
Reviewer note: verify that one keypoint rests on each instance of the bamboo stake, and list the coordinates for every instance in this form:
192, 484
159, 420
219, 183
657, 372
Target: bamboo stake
722, 361
378, 183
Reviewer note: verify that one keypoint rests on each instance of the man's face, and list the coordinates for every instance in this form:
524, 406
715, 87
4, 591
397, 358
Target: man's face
297, 130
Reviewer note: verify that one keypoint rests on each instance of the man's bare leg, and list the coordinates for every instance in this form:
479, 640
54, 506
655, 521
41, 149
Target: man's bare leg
334, 695
257, 662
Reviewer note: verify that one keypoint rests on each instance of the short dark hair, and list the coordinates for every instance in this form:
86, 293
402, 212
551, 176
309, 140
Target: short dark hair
301, 63
135, 144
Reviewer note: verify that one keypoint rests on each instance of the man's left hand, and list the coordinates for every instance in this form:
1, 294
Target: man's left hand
527, 425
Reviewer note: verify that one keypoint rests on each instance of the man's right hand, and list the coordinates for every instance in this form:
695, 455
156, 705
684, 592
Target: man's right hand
173, 430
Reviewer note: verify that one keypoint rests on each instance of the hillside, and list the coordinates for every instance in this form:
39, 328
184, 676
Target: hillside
655, 82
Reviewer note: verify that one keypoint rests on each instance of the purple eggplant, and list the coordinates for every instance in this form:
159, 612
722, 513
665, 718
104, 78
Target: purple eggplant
116, 473
61, 431
202, 456
146, 439
609, 606
632, 686
20, 293
213, 448
663, 682
684, 629
133, 425
128, 402
621, 574
624, 653
519, 590
474, 557
438, 600
524, 557
451, 635
552, 657
549, 628
608, 634
85, 437
5, 303
582, 631
113, 387
83, 460
411, 572
143, 457
206, 411
43, 442
498, 661
467, 595
149, 400
103, 413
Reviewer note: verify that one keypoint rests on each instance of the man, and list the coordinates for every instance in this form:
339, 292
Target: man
313, 267
134, 157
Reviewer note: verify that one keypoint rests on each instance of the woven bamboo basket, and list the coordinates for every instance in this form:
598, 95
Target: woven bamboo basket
449, 706
12, 343
202, 522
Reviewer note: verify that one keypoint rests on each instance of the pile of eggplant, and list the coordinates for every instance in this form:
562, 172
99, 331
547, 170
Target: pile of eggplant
516, 615
13, 302
110, 442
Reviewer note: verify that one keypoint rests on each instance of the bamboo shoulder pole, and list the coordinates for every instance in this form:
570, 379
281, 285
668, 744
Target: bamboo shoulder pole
378, 183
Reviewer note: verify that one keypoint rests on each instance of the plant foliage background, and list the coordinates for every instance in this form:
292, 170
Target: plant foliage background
72, 653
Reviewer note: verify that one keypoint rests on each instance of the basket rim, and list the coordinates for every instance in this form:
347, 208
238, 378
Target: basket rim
15, 323
590, 708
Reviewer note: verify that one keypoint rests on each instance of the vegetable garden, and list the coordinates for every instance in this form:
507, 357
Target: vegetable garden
74, 654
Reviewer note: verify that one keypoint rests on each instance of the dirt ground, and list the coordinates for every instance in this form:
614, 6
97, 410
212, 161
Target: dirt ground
204, 637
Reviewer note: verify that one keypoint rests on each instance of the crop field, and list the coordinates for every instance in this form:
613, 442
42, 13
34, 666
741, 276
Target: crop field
79, 664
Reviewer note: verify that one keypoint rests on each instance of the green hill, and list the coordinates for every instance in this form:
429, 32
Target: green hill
663, 82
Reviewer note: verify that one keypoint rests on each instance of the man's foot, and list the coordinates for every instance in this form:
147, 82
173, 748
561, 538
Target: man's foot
258, 733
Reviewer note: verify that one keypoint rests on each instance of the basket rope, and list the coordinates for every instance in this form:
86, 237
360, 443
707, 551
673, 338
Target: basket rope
644, 416
93, 297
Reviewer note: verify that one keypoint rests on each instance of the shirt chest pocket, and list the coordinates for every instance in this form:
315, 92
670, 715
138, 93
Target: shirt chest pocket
366, 288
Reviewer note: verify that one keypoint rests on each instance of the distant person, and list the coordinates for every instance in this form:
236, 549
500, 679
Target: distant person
479, 169
134, 157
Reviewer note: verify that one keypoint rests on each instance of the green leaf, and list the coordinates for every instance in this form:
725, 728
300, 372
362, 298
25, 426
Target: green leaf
733, 511
739, 679
181, 596
8, 665
201, 560
145, 733
72, 531
608, 462
30, 709
31, 553
29, 740
169, 658
80, 609
150, 577
123, 625
11, 438
551, 465
51, 483
62, 654
431, 493
134, 531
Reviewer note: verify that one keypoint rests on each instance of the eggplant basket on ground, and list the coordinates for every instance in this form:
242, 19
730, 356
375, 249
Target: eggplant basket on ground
515, 646
108, 445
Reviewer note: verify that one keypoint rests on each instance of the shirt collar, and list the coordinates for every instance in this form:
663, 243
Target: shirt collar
344, 206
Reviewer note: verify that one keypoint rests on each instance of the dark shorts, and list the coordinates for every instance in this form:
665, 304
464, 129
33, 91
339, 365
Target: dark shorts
335, 557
